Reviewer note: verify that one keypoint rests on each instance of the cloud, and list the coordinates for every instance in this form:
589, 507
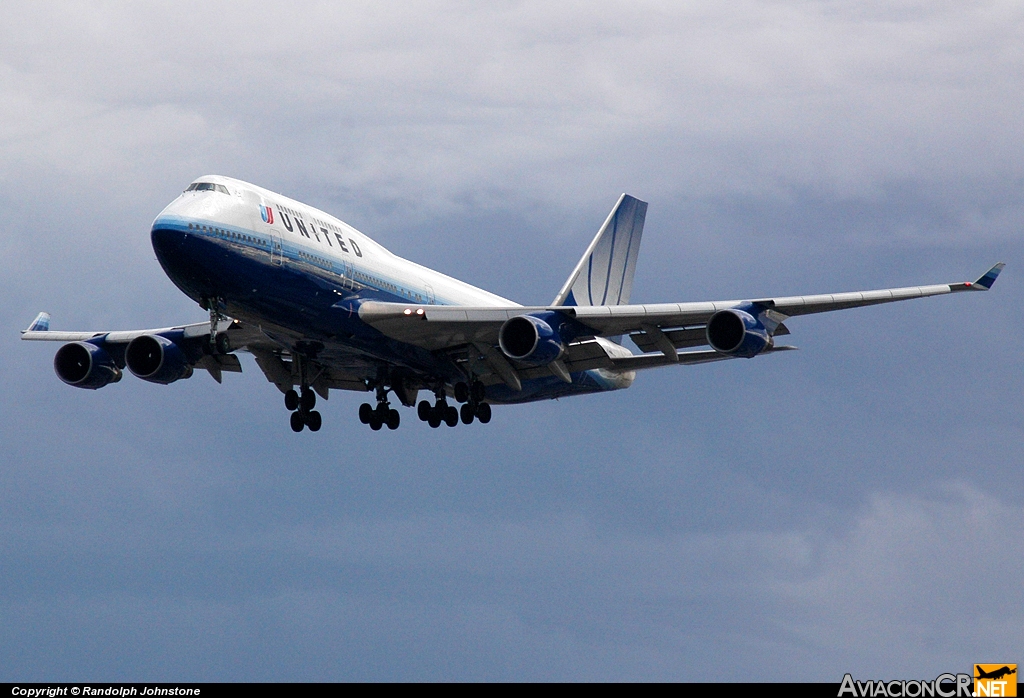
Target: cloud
782, 516
904, 591
911, 586
530, 102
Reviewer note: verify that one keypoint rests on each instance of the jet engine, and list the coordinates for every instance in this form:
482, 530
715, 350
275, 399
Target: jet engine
531, 340
735, 332
157, 359
85, 365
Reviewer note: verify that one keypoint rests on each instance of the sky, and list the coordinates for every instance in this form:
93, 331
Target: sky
855, 506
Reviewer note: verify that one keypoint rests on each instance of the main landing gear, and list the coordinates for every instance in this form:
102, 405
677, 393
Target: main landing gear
302, 402
384, 414
473, 408
303, 414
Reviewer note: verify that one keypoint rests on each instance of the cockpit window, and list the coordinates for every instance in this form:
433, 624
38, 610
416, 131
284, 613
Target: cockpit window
208, 186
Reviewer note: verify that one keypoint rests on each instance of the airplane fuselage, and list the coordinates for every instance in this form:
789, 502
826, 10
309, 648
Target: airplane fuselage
298, 272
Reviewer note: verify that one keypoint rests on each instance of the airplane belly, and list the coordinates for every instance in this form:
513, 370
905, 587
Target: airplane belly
551, 387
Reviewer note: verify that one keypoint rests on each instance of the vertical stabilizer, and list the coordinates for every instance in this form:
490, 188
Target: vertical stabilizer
604, 276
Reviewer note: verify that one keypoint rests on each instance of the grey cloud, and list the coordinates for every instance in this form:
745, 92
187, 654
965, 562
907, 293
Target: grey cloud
900, 593
751, 99
781, 513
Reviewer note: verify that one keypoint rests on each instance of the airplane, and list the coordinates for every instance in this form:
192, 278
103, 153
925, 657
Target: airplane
994, 674
321, 307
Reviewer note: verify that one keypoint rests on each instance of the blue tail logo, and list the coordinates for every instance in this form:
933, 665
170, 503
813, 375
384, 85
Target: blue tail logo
604, 276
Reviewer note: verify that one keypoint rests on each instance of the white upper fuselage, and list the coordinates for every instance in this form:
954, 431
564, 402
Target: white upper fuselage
322, 239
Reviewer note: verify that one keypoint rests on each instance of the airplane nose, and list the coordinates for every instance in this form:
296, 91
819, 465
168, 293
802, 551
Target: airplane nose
178, 255
168, 244
166, 238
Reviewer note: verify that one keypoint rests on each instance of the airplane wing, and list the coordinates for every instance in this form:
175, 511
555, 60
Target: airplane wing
40, 330
117, 341
470, 334
271, 352
663, 327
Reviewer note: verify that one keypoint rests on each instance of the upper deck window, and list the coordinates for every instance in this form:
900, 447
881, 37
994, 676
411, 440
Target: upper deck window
208, 186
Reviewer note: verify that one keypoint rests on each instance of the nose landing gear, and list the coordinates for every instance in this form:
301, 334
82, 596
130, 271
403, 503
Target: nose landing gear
220, 343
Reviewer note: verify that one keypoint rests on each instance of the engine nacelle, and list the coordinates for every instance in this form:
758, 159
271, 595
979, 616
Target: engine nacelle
531, 340
85, 365
737, 333
157, 359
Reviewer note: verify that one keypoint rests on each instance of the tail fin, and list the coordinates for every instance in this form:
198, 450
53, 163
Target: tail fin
604, 276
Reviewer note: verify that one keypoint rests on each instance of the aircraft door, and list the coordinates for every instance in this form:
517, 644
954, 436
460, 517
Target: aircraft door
276, 249
430, 293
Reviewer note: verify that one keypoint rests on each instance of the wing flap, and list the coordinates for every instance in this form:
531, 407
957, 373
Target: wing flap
215, 364
682, 338
687, 358
579, 356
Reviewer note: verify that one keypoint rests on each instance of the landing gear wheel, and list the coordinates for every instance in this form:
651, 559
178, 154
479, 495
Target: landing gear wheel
478, 392
223, 343
461, 392
291, 400
423, 410
308, 400
466, 412
381, 413
483, 412
394, 419
297, 422
365, 413
375, 423
313, 420
451, 416
434, 419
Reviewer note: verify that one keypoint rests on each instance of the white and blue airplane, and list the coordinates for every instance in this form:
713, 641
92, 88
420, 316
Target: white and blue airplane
321, 306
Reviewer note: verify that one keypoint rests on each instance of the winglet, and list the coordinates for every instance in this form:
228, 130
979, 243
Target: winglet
988, 278
40, 324
983, 283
